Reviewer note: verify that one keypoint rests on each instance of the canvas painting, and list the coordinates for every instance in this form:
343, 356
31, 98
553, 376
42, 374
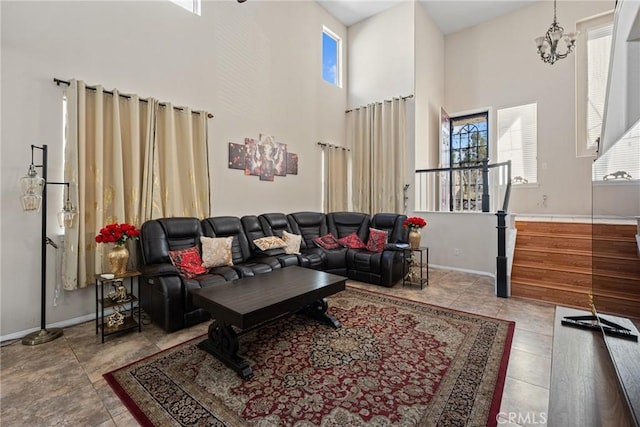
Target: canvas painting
292, 163
252, 161
263, 157
236, 156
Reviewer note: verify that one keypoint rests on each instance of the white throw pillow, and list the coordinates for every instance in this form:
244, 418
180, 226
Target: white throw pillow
216, 251
293, 242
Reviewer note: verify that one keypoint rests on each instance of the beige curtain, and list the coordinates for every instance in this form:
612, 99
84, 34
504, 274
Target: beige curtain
377, 134
123, 157
181, 179
336, 173
359, 124
108, 141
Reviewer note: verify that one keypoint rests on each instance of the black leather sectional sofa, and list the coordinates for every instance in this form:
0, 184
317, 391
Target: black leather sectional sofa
165, 294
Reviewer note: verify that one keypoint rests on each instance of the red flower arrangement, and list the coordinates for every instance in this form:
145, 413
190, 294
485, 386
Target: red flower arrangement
414, 223
118, 234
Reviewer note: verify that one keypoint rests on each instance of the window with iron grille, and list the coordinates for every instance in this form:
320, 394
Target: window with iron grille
469, 147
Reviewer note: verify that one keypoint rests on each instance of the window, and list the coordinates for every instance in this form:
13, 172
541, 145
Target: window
518, 141
622, 161
592, 69
331, 54
469, 146
192, 6
469, 141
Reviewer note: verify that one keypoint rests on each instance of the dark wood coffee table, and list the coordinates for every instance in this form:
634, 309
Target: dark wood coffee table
250, 301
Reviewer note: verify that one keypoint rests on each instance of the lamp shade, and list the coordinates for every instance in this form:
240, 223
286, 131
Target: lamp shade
32, 187
67, 215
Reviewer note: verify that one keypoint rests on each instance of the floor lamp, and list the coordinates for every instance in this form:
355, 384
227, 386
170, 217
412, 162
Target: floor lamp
34, 198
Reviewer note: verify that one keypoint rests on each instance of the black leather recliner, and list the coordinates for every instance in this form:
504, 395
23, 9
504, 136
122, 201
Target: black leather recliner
254, 230
311, 225
164, 294
273, 224
384, 268
243, 261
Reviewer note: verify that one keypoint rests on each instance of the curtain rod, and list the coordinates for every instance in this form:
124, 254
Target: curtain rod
68, 83
404, 98
322, 144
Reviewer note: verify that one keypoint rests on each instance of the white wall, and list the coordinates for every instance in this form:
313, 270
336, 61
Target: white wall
256, 66
462, 240
495, 65
429, 82
381, 62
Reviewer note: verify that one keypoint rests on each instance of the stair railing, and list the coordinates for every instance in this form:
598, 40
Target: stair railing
471, 189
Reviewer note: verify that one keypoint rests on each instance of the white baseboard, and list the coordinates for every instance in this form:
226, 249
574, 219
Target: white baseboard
62, 324
462, 270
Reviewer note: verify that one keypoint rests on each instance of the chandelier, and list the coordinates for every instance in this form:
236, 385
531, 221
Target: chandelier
548, 45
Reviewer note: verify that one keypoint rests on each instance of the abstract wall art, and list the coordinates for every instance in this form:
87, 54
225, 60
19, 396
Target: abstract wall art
264, 157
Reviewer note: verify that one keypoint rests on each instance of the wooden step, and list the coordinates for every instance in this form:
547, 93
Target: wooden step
618, 246
616, 285
558, 259
570, 228
575, 280
614, 230
618, 306
550, 294
544, 240
617, 267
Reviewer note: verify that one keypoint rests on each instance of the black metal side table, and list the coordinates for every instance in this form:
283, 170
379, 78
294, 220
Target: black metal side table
129, 321
412, 269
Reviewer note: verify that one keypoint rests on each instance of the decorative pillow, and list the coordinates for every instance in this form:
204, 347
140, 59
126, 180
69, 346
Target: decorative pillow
187, 262
377, 240
293, 242
216, 251
352, 241
327, 241
270, 242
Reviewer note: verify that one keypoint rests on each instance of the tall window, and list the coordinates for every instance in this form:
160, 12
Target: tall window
469, 147
331, 54
192, 6
592, 69
518, 141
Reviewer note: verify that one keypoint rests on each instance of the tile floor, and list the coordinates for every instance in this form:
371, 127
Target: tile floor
60, 383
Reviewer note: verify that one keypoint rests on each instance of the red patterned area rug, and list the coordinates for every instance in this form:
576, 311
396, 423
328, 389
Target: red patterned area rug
393, 362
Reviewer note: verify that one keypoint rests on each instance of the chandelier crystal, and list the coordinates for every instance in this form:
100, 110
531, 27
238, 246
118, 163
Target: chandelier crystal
549, 44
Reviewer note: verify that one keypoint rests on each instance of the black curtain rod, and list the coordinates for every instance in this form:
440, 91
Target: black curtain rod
404, 98
322, 144
68, 83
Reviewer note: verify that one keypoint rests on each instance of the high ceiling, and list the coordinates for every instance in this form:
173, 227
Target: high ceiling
449, 15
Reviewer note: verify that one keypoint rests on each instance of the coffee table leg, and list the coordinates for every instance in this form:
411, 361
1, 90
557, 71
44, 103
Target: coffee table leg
318, 310
222, 342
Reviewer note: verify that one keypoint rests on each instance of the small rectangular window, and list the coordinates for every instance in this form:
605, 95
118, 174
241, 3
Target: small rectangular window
622, 161
518, 141
331, 54
192, 6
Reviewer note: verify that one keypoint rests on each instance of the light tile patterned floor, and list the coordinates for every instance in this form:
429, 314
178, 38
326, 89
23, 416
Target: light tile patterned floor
60, 383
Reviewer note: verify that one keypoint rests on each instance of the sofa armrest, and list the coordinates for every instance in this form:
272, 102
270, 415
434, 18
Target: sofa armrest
155, 270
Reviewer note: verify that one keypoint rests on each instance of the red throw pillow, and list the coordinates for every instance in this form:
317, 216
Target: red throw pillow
327, 242
188, 262
352, 241
377, 240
